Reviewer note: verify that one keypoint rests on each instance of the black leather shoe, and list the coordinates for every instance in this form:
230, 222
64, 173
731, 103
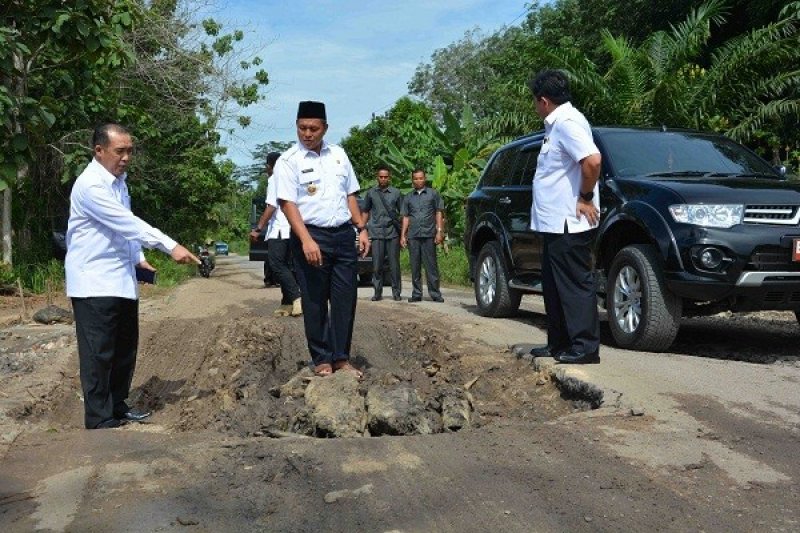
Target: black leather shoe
135, 416
575, 357
396, 298
438, 299
415, 299
545, 351
376, 298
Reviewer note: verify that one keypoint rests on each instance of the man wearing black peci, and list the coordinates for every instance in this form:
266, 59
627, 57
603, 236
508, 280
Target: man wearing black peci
316, 189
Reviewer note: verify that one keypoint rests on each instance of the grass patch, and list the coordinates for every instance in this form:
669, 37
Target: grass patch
170, 273
453, 265
39, 278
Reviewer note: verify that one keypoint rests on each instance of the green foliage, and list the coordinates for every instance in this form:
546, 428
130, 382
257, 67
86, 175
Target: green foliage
750, 82
66, 66
40, 277
452, 261
453, 265
170, 273
728, 66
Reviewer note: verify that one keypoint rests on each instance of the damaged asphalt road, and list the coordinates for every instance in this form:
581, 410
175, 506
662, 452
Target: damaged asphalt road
703, 438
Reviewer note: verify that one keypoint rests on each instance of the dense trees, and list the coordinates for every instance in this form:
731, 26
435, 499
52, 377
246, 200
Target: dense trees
705, 59
66, 66
728, 66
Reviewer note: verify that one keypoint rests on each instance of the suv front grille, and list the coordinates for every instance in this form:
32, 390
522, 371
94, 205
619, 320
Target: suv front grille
772, 259
785, 215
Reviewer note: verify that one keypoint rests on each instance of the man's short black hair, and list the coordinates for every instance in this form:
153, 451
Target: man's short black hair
418, 169
272, 157
383, 167
552, 84
101, 133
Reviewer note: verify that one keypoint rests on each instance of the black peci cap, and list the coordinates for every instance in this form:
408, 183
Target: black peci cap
311, 109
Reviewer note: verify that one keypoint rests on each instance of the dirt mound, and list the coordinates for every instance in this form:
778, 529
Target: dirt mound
253, 380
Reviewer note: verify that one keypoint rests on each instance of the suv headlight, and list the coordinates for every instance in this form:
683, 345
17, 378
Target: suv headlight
708, 215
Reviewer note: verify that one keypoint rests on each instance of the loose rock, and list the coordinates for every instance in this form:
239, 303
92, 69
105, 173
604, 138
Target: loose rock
53, 314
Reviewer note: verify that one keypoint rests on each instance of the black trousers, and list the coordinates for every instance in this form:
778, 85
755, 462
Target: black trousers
107, 329
570, 297
328, 292
280, 262
423, 250
382, 248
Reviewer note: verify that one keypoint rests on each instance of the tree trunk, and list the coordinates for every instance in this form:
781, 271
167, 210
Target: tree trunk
7, 224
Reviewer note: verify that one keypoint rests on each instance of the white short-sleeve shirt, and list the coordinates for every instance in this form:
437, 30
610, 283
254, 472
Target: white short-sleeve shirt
277, 227
557, 182
318, 184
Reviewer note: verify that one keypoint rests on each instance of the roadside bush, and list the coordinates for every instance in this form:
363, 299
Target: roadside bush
170, 273
453, 265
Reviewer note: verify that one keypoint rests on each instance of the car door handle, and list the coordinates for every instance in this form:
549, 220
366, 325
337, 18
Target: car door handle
505, 200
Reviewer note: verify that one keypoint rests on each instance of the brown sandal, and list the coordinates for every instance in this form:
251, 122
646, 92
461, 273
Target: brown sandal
347, 367
323, 370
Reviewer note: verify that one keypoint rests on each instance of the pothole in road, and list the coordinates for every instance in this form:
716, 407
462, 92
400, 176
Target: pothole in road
420, 379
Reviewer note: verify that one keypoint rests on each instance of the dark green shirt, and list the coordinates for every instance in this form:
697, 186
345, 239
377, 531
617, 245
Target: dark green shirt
420, 207
380, 222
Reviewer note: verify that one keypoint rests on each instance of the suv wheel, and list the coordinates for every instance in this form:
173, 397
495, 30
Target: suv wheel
642, 313
492, 293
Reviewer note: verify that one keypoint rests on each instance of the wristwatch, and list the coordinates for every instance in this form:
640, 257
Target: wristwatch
587, 196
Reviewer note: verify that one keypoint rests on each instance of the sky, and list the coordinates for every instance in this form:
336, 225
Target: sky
356, 56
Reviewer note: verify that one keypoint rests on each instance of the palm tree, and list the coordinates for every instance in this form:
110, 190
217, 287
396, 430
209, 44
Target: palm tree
749, 83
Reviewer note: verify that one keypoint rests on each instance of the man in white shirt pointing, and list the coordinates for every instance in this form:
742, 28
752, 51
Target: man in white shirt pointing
104, 247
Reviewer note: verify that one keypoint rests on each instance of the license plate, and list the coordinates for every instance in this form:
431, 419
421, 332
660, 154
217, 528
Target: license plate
796, 250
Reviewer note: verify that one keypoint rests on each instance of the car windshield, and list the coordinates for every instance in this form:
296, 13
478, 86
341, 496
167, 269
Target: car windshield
680, 155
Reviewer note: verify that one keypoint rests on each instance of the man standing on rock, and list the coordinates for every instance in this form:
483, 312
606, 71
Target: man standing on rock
104, 247
279, 255
565, 211
316, 189
382, 206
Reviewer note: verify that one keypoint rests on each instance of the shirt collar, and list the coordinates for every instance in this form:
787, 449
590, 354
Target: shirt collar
421, 191
306, 151
557, 113
106, 176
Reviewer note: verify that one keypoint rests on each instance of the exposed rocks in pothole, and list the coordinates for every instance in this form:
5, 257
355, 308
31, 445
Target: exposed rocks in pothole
337, 406
420, 380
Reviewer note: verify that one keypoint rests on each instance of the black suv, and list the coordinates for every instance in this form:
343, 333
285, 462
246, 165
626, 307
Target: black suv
691, 224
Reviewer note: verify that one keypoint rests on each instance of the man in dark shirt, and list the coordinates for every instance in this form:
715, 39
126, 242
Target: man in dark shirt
382, 206
422, 231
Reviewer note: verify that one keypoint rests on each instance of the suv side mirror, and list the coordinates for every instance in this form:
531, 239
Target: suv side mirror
781, 170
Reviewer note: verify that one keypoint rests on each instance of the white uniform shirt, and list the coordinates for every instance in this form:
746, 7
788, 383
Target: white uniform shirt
557, 182
104, 239
317, 184
277, 227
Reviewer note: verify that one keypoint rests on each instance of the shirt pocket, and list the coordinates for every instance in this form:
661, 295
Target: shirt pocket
342, 177
309, 185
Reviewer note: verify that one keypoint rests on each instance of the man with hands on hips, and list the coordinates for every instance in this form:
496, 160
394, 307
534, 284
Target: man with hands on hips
566, 211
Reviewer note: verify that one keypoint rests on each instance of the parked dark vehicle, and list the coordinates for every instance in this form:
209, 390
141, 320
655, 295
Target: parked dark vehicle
691, 224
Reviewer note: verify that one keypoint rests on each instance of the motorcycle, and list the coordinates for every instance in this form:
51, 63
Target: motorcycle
206, 262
